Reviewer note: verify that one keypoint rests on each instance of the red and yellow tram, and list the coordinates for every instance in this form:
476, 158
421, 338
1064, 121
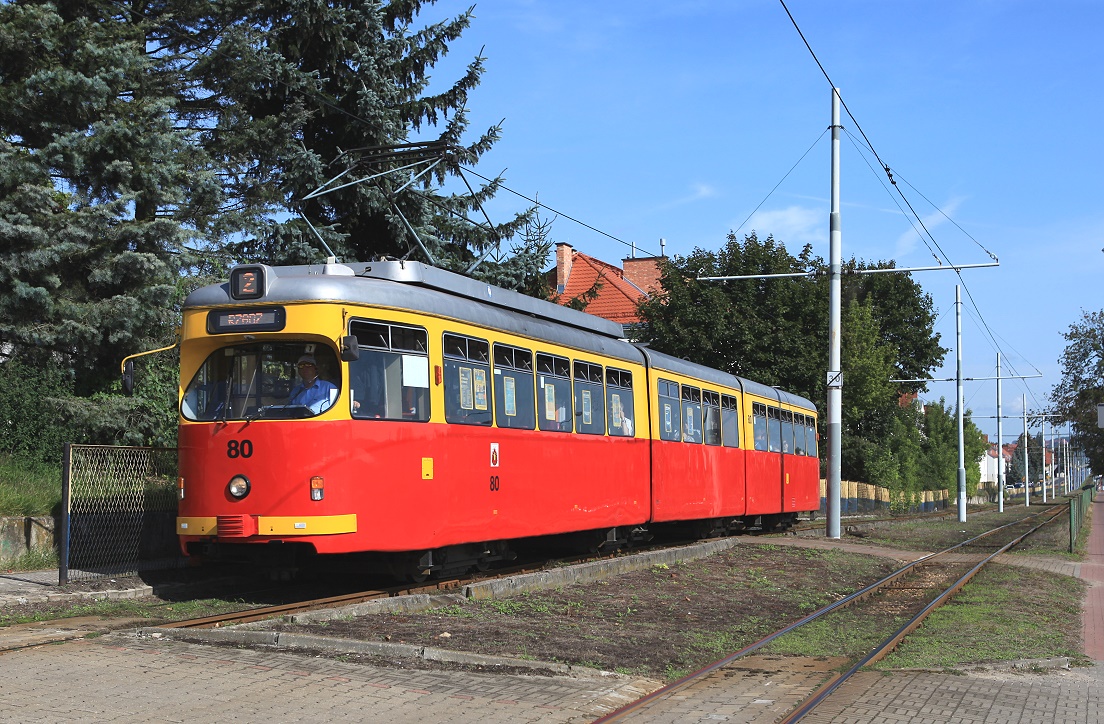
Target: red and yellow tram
401, 410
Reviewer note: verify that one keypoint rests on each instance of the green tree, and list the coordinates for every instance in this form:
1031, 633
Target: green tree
905, 316
869, 404
905, 442
1081, 388
771, 330
939, 466
145, 146
975, 446
99, 189
523, 269
29, 394
290, 94
1015, 472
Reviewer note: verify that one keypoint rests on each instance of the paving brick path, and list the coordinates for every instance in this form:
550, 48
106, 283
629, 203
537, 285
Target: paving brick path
1092, 570
125, 680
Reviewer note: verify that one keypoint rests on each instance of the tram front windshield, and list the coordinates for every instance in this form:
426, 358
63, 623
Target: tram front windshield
270, 381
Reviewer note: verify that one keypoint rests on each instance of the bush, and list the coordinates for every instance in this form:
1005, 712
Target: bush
30, 428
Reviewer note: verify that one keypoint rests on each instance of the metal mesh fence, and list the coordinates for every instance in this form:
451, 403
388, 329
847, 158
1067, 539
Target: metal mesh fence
118, 511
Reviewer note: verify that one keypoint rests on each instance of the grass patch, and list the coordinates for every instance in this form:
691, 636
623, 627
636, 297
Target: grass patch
1005, 613
28, 488
852, 632
36, 559
934, 535
152, 610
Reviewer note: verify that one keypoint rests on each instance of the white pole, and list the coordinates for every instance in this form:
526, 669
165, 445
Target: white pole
1069, 457
961, 444
1043, 435
1000, 443
835, 381
1027, 467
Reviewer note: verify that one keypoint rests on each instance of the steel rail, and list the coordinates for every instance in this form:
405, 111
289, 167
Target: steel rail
862, 594
256, 614
884, 648
447, 584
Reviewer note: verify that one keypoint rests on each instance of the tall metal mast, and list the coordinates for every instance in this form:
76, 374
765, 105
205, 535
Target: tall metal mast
835, 375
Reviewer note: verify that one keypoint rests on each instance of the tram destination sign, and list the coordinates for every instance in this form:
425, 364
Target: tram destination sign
256, 319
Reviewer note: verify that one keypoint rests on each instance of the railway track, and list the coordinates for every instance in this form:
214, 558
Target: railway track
918, 588
445, 585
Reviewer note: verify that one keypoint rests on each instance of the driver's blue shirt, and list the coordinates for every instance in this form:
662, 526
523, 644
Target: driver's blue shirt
310, 396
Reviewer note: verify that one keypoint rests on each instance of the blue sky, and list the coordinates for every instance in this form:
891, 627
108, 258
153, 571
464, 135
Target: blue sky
650, 119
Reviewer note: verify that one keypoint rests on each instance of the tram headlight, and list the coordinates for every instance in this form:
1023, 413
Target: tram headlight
239, 486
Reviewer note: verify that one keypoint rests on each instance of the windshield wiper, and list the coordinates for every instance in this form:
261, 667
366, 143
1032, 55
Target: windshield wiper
258, 413
226, 396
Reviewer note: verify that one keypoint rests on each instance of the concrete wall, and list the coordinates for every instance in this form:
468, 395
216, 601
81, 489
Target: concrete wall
20, 534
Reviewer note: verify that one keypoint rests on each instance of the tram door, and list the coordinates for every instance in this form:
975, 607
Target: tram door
801, 469
765, 473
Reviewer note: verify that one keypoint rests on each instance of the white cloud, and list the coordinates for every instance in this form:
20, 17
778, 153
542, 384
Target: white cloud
791, 225
698, 192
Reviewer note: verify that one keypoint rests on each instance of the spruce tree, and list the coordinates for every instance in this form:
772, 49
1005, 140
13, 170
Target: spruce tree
99, 189
145, 146
288, 94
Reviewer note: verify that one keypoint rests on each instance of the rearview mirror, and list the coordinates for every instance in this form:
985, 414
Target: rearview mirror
128, 377
350, 349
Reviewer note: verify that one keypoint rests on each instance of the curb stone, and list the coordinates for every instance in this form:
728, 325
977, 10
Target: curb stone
332, 645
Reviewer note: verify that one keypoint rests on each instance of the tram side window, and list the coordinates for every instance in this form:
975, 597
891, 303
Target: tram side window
691, 414
774, 429
590, 399
759, 425
619, 402
787, 431
467, 369
390, 380
711, 404
670, 411
810, 436
799, 433
730, 421
554, 393
513, 387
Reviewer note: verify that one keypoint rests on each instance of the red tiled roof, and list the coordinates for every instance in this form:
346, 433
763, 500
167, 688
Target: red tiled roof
617, 297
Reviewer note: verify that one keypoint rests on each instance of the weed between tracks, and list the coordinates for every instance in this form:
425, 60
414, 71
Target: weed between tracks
934, 535
1005, 613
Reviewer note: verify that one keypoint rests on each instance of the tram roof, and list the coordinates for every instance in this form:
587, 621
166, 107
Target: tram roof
414, 286
417, 287
660, 361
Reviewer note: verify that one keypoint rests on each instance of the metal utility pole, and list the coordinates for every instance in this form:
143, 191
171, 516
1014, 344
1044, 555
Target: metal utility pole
1000, 443
1042, 434
958, 376
835, 374
1027, 473
834, 415
1069, 454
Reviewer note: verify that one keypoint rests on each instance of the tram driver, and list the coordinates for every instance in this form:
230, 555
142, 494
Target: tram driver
311, 390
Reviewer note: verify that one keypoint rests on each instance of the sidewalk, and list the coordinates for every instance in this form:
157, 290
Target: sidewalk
1092, 571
